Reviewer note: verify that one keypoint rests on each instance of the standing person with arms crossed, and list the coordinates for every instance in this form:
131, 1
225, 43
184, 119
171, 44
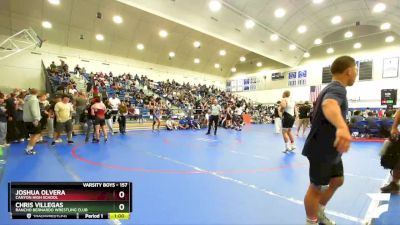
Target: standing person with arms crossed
215, 111
329, 138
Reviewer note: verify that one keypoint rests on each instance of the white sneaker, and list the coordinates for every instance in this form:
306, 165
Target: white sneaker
5, 145
292, 147
310, 223
58, 140
323, 219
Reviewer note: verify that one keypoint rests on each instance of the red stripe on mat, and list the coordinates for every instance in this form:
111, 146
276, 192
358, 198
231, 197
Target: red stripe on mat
368, 139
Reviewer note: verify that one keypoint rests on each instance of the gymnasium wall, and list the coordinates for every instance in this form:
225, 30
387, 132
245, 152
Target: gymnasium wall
24, 69
362, 94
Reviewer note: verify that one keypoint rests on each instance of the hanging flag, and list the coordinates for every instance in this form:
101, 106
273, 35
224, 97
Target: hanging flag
314, 92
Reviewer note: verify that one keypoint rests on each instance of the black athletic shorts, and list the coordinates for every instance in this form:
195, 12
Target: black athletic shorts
32, 129
322, 172
98, 121
287, 120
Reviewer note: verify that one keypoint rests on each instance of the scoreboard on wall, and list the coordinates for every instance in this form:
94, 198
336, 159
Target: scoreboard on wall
70, 200
388, 96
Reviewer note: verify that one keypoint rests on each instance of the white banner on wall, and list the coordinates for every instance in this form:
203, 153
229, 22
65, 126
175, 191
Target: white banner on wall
390, 67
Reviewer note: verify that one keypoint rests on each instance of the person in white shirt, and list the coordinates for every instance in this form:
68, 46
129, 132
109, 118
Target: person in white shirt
114, 102
215, 111
237, 118
288, 118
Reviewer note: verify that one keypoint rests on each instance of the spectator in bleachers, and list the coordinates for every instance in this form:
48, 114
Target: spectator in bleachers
356, 118
387, 122
12, 133
3, 122
371, 119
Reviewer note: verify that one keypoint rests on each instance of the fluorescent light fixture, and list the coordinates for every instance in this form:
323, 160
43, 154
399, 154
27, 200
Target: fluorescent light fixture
171, 54
386, 26
330, 50
196, 60
99, 37
163, 33
54, 2
117, 19
318, 41
274, 37
214, 6
357, 45
336, 20
389, 39
302, 29
292, 47
280, 12
233, 70
317, 1
216, 65
306, 54
249, 24
222, 52
379, 7
348, 34
196, 44
140, 46
259, 64
46, 24
242, 59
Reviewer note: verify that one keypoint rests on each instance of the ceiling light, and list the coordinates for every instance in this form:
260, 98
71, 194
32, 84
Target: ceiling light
196, 60
259, 64
292, 47
140, 46
317, 1
117, 19
249, 24
379, 7
99, 37
47, 24
301, 29
233, 69
54, 2
274, 37
196, 44
318, 41
385, 26
163, 33
214, 6
389, 39
222, 52
336, 19
171, 54
306, 54
216, 65
242, 59
280, 13
348, 34
357, 45
330, 50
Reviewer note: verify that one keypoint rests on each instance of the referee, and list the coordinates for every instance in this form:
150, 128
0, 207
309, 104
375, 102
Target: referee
214, 116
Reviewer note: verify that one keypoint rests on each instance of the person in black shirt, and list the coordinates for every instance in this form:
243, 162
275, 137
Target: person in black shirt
304, 117
328, 139
393, 186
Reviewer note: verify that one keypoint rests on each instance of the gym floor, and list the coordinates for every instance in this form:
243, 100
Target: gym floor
186, 177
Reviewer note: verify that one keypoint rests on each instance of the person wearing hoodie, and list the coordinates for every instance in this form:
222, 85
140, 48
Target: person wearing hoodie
31, 117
